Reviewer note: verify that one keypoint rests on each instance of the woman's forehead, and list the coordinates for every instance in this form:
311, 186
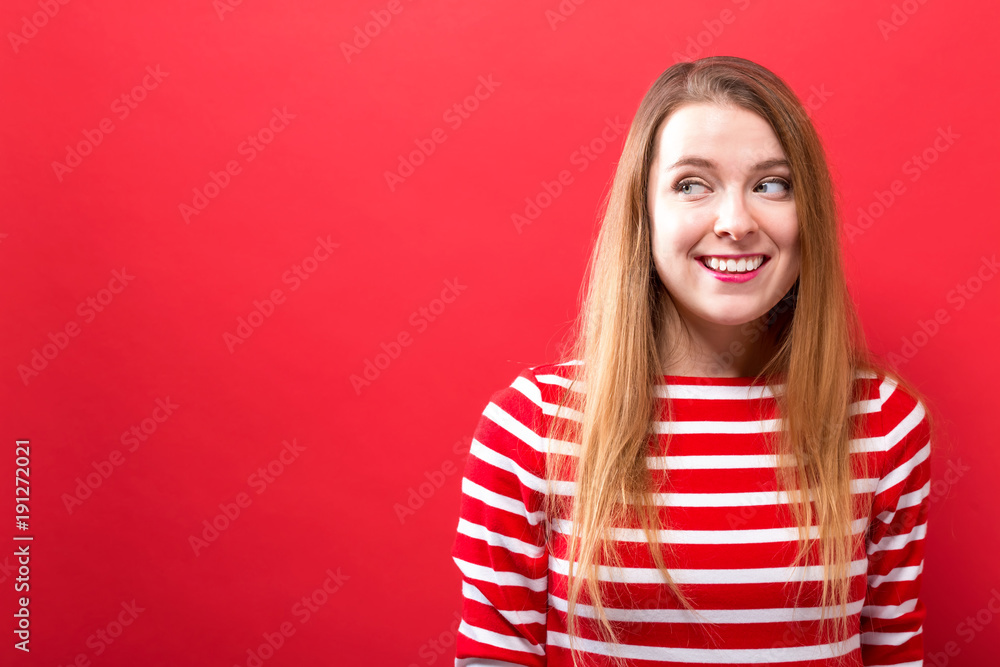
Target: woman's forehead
723, 135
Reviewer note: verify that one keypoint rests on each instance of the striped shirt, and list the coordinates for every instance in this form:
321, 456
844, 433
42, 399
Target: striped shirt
731, 537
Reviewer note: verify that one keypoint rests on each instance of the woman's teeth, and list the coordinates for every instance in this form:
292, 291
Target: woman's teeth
741, 265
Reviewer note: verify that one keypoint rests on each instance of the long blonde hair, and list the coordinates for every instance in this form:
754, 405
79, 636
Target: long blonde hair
814, 331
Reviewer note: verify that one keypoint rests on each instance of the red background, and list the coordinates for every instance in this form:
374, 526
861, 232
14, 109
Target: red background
886, 92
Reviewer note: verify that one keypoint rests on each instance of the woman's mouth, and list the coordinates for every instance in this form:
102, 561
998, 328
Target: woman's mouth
733, 269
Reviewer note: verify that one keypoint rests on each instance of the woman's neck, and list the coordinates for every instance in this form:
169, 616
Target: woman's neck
713, 350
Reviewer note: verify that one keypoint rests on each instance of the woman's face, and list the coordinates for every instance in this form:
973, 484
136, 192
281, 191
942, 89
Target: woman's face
720, 190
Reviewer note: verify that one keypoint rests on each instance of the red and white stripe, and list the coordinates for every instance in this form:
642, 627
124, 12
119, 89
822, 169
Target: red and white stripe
730, 538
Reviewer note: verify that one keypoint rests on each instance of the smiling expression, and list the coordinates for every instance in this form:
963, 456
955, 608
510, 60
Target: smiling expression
724, 228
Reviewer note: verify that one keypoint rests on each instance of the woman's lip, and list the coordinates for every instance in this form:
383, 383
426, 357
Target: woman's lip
749, 254
733, 277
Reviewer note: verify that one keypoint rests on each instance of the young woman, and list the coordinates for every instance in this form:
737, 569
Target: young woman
721, 472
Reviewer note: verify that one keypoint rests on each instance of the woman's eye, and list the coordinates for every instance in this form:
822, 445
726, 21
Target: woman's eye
773, 190
685, 187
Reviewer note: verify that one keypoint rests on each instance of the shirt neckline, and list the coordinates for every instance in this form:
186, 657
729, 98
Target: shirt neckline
712, 381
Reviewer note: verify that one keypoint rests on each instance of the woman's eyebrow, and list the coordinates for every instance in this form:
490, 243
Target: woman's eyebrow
696, 161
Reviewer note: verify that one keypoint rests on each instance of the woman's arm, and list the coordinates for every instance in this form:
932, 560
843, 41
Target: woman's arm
500, 542
893, 615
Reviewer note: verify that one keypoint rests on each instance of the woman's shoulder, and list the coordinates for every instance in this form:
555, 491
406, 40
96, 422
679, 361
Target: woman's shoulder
514, 424
535, 392
528, 389
543, 379
904, 425
891, 392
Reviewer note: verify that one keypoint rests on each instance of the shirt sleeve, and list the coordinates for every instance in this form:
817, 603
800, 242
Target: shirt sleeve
500, 545
893, 613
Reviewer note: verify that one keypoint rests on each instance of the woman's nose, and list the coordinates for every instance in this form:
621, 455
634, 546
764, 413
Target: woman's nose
734, 217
